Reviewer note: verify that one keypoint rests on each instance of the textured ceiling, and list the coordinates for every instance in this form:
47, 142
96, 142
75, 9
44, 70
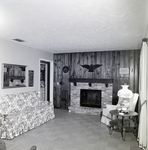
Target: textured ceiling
61, 26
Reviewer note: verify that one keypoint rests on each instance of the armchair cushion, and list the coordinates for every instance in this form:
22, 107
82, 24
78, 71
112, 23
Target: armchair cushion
111, 107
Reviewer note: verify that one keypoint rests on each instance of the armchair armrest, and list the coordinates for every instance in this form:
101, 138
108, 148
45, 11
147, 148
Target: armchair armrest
111, 107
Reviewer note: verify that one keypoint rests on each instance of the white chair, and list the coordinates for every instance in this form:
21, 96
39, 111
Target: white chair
133, 102
106, 117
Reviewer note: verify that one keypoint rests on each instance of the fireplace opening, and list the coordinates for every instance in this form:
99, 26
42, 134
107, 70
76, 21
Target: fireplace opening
90, 98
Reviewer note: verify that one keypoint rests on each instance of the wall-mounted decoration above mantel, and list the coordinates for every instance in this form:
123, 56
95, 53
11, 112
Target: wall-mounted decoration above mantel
91, 67
13, 75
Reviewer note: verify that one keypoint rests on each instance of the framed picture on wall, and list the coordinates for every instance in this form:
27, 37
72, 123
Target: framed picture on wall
13, 76
30, 78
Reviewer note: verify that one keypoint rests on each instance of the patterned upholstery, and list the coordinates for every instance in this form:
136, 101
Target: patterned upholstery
22, 112
2, 145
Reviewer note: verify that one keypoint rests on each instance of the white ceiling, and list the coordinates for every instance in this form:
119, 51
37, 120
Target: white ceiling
61, 26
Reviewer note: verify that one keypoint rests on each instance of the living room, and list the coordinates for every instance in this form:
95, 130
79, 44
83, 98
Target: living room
96, 45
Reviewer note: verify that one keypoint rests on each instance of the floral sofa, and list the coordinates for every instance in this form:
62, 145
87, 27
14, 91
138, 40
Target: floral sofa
22, 112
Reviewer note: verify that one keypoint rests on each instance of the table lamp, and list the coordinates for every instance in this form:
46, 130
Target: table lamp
124, 95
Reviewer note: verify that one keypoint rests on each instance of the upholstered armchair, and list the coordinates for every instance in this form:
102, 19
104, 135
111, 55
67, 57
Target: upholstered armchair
106, 117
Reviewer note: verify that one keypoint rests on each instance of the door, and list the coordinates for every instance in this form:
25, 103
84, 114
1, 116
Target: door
44, 80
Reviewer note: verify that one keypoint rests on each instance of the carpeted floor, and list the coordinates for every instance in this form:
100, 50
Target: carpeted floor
70, 131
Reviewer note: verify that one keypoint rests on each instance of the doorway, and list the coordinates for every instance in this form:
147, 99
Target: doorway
45, 80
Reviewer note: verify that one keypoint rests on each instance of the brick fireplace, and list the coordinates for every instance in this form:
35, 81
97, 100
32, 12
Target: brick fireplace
106, 96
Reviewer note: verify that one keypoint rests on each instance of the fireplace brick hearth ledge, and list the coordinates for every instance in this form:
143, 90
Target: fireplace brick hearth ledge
96, 84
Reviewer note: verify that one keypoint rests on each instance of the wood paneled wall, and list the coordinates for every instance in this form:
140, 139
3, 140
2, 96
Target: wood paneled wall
111, 62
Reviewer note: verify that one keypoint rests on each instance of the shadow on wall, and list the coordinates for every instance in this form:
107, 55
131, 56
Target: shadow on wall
115, 100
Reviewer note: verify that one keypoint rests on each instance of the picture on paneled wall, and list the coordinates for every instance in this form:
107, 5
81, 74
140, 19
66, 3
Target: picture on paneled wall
30, 78
13, 75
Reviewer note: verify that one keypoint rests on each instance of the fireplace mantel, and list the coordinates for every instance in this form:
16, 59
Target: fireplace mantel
90, 80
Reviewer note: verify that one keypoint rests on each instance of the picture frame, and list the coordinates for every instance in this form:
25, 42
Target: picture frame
30, 78
13, 75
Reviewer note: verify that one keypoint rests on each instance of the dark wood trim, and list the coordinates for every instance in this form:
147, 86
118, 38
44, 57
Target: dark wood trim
89, 80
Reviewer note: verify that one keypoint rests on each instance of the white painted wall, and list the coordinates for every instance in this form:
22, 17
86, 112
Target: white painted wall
14, 53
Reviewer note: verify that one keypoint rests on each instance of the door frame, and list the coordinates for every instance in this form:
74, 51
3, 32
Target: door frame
50, 78
47, 80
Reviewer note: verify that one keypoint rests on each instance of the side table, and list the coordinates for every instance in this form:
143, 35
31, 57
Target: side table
120, 124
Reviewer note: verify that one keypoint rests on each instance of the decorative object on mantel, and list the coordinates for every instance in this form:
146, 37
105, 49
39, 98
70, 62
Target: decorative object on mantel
65, 69
91, 67
124, 95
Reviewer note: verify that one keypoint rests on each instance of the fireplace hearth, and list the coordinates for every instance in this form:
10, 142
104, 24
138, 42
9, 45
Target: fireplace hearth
90, 98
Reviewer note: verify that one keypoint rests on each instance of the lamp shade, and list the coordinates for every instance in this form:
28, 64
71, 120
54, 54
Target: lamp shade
125, 92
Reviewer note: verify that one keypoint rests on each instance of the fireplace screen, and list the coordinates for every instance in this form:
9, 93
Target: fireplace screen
90, 98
